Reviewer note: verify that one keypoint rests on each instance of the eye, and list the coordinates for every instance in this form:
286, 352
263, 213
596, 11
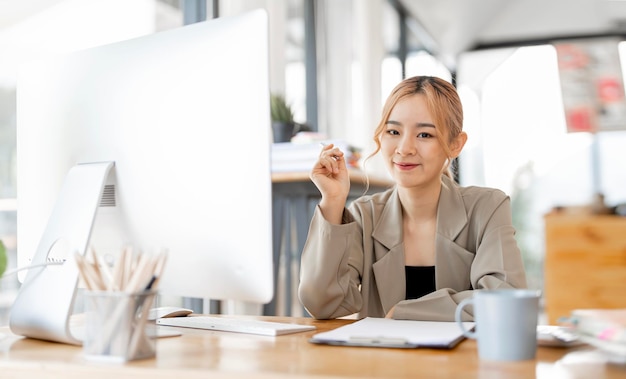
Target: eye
392, 132
424, 135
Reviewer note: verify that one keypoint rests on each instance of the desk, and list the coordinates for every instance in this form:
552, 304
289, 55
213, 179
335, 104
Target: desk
294, 197
204, 354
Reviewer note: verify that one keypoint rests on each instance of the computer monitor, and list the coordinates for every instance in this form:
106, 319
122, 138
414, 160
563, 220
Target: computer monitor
181, 121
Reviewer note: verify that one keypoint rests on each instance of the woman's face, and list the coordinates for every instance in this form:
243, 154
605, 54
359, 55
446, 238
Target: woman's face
409, 145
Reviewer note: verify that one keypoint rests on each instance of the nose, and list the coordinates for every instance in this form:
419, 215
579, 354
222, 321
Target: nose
406, 146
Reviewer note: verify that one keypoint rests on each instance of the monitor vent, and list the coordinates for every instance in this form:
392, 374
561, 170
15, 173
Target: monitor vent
108, 196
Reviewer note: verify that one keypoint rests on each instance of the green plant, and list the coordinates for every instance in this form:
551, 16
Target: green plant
3, 258
280, 110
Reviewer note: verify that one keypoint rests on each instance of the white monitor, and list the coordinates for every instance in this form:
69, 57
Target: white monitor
183, 118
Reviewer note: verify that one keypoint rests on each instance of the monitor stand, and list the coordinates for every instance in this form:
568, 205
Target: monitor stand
45, 301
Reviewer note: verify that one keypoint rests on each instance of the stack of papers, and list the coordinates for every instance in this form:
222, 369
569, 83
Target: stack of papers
602, 328
384, 332
299, 157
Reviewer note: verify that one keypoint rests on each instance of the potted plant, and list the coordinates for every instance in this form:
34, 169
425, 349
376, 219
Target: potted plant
283, 126
3, 258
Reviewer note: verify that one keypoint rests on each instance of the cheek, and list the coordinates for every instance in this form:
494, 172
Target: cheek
387, 152
386, 146
437, 152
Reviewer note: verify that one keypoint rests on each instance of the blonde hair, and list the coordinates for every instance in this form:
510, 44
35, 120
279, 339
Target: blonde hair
443, 103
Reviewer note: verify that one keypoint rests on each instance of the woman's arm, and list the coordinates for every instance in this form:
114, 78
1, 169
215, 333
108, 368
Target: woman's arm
331, 268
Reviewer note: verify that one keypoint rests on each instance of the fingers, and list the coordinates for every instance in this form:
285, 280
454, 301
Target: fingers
331, 158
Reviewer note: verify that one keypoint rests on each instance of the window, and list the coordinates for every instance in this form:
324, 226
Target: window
518, 142
57, 27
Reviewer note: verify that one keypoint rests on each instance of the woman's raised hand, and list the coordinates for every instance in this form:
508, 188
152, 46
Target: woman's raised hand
330, 175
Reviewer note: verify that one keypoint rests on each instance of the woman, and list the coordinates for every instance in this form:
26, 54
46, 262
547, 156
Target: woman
416, 250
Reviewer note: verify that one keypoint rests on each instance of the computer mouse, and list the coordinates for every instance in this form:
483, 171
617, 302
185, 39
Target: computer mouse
162, 312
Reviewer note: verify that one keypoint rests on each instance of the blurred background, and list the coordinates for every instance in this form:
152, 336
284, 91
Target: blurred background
541, 82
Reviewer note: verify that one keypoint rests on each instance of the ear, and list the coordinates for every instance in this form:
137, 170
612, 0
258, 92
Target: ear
457, 144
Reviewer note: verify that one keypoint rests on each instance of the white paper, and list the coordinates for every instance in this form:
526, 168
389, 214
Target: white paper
386, 332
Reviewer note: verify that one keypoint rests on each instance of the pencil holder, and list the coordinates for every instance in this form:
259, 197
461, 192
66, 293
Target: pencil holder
116, 326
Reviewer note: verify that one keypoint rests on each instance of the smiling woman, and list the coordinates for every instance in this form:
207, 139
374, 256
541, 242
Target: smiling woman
413, 147
362, 258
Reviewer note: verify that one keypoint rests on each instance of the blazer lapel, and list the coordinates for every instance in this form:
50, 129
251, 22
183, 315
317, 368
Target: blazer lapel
388, 230
451, 214
388, 265
451, 219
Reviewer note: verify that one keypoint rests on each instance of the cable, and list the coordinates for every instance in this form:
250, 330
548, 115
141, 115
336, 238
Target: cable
50, 262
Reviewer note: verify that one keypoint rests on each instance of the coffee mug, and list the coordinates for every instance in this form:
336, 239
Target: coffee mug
506, 323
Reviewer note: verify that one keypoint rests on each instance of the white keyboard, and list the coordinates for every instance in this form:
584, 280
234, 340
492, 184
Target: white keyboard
237, 325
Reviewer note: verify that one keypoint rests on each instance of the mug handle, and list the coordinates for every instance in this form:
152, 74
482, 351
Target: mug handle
457, 317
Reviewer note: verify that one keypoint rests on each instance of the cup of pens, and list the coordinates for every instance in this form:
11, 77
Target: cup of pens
115, 329
117, 303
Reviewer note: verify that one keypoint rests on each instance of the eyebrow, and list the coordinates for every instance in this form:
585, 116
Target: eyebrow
419, 124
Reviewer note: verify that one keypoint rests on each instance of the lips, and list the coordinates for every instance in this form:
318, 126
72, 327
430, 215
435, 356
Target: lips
405, 165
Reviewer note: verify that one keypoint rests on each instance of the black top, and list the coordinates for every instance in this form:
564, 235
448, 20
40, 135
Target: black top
420, 281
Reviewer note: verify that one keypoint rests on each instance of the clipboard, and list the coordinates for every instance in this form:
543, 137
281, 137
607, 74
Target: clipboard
390, 333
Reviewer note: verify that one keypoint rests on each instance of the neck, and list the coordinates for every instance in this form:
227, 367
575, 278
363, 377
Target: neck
420, 203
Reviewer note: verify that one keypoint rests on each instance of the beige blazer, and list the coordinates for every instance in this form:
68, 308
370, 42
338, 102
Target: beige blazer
358, 267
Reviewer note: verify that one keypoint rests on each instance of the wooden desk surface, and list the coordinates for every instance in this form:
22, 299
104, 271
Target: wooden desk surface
203, 354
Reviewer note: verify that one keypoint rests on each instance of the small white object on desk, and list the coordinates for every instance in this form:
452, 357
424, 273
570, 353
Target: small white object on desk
164, 312
237, 325
556, 336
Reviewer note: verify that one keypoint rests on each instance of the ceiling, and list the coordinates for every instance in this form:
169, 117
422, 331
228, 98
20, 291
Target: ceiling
449, 27
454, 26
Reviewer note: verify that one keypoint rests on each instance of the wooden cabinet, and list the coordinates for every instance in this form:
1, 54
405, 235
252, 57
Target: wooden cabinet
585, 263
